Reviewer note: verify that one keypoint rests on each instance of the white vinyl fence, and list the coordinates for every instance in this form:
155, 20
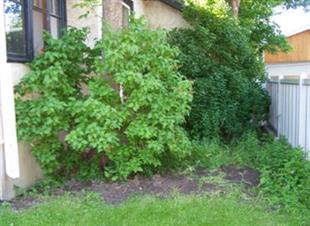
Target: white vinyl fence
290, 110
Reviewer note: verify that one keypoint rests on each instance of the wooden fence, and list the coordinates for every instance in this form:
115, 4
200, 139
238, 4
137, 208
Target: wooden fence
289, 114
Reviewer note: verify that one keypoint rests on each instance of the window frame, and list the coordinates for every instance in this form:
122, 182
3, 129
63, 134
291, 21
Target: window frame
129, 5
13, 57
62, 17
28, 26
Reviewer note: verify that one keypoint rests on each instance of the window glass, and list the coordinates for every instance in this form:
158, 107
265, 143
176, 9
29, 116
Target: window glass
39, 24
25, 22
55, 28
15, 27
55, 19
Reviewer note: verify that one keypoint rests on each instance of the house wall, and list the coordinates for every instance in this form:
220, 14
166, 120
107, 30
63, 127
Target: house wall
160, 15
92, 21
139, 7
301, 50
288, 69
157, 13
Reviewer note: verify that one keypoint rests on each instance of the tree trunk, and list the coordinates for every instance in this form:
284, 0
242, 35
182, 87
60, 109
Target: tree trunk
112, 13
235, 5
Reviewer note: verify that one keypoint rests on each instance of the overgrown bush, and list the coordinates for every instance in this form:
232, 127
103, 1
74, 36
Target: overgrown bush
44, 95
285, 171
227, 73
114, 110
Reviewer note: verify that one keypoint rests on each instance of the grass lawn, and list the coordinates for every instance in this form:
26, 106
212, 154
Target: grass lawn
89, 210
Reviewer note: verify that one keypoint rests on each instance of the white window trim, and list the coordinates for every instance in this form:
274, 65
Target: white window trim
7, 109
127, 6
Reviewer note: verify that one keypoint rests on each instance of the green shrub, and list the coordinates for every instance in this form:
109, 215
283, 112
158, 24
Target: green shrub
136, 103
285, 171
43, 98
210, 154
228, 97
126, 118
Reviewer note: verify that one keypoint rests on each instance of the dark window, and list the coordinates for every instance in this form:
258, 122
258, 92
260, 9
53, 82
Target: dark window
25, 22
16, 30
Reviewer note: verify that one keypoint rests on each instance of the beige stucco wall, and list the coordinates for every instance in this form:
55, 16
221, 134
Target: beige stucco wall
92, 21
30, 171
157, 13
139, 7
160, 15
18, 71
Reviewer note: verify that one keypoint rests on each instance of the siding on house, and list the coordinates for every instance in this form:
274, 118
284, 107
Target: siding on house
300, 53
288, 69
293, 63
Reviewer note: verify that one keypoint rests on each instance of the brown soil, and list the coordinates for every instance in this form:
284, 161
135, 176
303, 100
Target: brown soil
245, 175
160, 186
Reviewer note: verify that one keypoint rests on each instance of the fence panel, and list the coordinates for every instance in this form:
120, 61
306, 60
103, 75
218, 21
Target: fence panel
273, 89
289, 113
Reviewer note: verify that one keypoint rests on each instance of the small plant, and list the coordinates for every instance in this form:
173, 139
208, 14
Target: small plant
208, 153
285, 171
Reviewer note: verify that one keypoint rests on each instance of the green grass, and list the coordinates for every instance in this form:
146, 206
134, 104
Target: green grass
89, 210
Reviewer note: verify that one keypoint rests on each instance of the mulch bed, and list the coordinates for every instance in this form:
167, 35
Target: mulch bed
159, 185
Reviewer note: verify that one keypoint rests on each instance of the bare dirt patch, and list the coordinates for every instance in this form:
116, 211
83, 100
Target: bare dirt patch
245, 175
159, 185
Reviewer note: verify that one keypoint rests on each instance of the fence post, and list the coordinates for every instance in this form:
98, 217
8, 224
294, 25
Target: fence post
301, 112
279, 112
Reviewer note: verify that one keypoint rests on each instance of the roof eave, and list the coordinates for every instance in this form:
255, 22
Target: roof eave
174, 4
297, 31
